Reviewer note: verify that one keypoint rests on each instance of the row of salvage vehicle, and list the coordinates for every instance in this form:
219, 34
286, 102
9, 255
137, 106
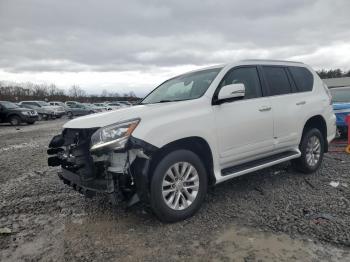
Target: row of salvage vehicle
31, 111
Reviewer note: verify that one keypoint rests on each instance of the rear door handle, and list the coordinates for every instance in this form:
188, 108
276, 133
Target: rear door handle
265, 108
301, 103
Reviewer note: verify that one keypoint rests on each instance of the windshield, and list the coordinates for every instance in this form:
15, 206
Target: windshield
184, 87
9, 105
340, 95
42, 103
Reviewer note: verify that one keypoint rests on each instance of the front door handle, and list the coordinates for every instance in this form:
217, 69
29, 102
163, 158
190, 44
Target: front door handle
265, 108
301, 103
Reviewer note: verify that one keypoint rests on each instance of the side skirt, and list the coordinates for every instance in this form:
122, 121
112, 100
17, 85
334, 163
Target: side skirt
238, 170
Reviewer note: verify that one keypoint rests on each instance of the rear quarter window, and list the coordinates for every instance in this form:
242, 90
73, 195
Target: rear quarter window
303, 78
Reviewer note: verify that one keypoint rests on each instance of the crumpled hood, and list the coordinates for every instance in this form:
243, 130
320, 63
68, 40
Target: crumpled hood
122, 114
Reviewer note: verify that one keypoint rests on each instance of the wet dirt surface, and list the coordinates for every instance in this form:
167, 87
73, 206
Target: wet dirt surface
275, 214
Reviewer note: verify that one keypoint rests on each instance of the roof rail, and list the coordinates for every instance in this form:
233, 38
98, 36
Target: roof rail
270, 60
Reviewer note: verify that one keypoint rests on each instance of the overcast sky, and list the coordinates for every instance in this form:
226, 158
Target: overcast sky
130, 45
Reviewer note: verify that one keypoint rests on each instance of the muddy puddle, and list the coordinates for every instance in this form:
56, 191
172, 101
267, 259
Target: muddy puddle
234, 243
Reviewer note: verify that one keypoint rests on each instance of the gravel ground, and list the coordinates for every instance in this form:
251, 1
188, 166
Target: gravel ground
275, 214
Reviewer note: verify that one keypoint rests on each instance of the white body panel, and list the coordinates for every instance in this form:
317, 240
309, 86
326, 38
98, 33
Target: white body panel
242, 130
236, 132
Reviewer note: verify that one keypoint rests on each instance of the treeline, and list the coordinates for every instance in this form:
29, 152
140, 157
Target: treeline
333, 73
15, 92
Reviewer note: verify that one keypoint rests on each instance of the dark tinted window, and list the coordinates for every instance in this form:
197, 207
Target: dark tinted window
302, 78
277, 80
247, 76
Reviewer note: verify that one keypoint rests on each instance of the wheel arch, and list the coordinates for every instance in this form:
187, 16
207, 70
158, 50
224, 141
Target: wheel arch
318, 122
13, 114
197, 145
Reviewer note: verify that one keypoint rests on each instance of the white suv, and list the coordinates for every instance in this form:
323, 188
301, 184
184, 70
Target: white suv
198, 129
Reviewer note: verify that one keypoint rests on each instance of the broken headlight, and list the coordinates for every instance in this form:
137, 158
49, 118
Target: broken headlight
114, 136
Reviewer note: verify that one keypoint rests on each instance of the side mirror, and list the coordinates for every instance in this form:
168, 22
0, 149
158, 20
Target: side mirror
231, 91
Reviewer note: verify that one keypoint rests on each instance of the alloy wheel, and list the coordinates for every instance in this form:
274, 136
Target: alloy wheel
180, 185
313, 151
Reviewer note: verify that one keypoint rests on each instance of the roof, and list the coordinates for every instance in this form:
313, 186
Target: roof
337, 82
270, 60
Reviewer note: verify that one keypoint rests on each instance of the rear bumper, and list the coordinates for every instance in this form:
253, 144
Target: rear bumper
59, 113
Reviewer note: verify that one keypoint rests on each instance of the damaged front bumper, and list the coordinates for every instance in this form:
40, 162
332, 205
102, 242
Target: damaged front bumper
123, 173
87, 188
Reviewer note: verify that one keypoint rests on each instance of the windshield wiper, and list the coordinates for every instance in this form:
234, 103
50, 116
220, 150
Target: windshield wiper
176, 100
163, 101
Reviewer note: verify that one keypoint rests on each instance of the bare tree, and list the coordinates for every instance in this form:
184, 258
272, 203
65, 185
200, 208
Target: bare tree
76, 91
104, 93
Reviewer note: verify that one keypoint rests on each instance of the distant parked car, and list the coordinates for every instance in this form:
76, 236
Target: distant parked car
43, 113
115, 105
58, 111
94, 108
125, 103
58, 103
103, 106
341, 107
15, 115
71, 103
78, 109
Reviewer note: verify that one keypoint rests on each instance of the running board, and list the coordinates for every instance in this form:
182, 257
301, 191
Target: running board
252, 166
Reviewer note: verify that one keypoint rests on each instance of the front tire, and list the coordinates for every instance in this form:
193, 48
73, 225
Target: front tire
312, 150
15, 120
178, 186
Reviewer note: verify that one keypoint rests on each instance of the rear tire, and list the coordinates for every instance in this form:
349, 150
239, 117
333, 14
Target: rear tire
15, 120
31, 122
179, 198
312, 150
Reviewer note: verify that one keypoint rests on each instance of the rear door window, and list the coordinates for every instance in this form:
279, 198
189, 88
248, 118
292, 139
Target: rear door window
303, 78
277, 80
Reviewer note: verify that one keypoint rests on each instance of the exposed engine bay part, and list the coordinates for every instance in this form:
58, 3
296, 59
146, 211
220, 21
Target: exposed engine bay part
119, 162
121, 173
